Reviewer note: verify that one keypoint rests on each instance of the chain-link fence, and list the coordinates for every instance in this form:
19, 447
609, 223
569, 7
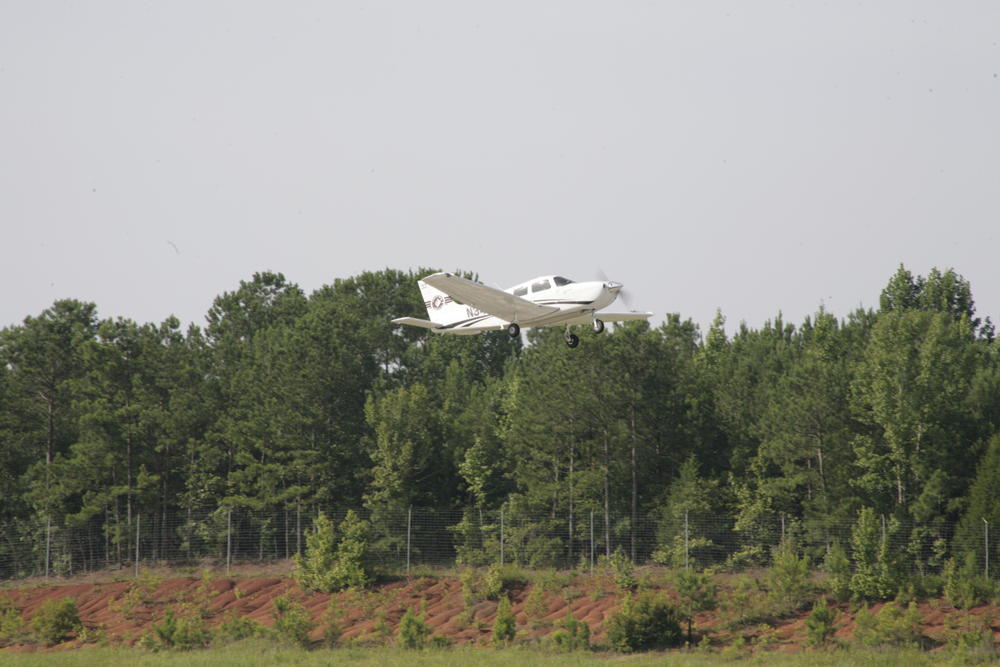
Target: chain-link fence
410, 537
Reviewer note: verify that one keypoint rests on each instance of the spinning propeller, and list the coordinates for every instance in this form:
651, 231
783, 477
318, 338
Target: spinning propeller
623, 294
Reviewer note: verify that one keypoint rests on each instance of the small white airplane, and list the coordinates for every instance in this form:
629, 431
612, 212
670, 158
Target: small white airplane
459, 306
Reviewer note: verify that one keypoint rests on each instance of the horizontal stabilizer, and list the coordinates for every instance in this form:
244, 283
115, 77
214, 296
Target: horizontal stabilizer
416, 322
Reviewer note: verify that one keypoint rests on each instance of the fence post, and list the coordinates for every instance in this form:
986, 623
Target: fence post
986, 545
592, 541
229, 539
137, 517
409, 520
48, 543
685, 539
501, 535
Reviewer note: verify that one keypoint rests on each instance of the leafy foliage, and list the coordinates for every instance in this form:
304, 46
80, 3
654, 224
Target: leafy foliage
504, 629
891, 626
966, 585
332, 564
413, 631
292, 622
184, 632
55, 621
12, 626
644, 623
572, 635
788, 579
697, 592
287, 403
820, 623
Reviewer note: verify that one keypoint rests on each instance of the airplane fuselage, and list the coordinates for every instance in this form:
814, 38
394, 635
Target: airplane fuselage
456, 305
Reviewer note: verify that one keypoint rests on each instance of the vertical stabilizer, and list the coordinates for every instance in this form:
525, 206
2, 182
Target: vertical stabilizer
441, 308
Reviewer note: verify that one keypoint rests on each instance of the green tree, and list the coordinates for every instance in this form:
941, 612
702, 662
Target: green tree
910, 388
802, 467
980, 523
878, 571
314, 570
696, 592
43, 361
405, 452
413, 631
504, 629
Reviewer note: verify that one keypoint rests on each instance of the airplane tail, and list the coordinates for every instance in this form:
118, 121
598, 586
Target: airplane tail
441, 308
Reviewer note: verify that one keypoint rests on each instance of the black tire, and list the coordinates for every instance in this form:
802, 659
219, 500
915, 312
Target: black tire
513, 330
572, 340
598, 326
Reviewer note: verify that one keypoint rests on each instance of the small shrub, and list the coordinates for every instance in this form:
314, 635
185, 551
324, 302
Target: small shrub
93, 635
736, 650
965, 586
878, 569
971, 635
504, 627
819, 623
838, 570
489, 586
788, 580
642, 624
12, 626
413, 631
697, 593
331, 564
892, 626
621, 568
766, 637
332, 629
235, 628
573, 635
535, 607
381, 627
492, 582
55, 621
292, 623
182, 633
746, 603
552, 580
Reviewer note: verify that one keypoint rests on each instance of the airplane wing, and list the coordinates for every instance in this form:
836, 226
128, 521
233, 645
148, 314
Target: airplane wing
623, 317
488, 299
416, 322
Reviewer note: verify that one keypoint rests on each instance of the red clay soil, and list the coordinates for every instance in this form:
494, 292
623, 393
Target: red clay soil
122, 611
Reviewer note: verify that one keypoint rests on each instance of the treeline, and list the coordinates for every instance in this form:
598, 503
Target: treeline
285, 403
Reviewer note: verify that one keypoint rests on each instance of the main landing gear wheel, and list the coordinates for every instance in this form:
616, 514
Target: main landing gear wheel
598, 326
572, 340
513, 330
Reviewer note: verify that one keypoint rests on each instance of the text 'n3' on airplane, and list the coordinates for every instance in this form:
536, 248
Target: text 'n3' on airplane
456, 305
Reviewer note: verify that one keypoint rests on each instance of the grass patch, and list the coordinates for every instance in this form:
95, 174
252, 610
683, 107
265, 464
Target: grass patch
254, 653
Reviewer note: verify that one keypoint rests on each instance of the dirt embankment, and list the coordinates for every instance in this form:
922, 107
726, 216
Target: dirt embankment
121, 612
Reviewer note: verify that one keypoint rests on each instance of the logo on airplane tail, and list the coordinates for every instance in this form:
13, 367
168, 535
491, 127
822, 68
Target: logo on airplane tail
437, 302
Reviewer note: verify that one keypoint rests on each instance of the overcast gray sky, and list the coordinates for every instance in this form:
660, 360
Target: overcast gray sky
750, 156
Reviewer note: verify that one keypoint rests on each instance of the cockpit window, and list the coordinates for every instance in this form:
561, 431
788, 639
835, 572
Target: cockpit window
560, 281
540, 285
520, 291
